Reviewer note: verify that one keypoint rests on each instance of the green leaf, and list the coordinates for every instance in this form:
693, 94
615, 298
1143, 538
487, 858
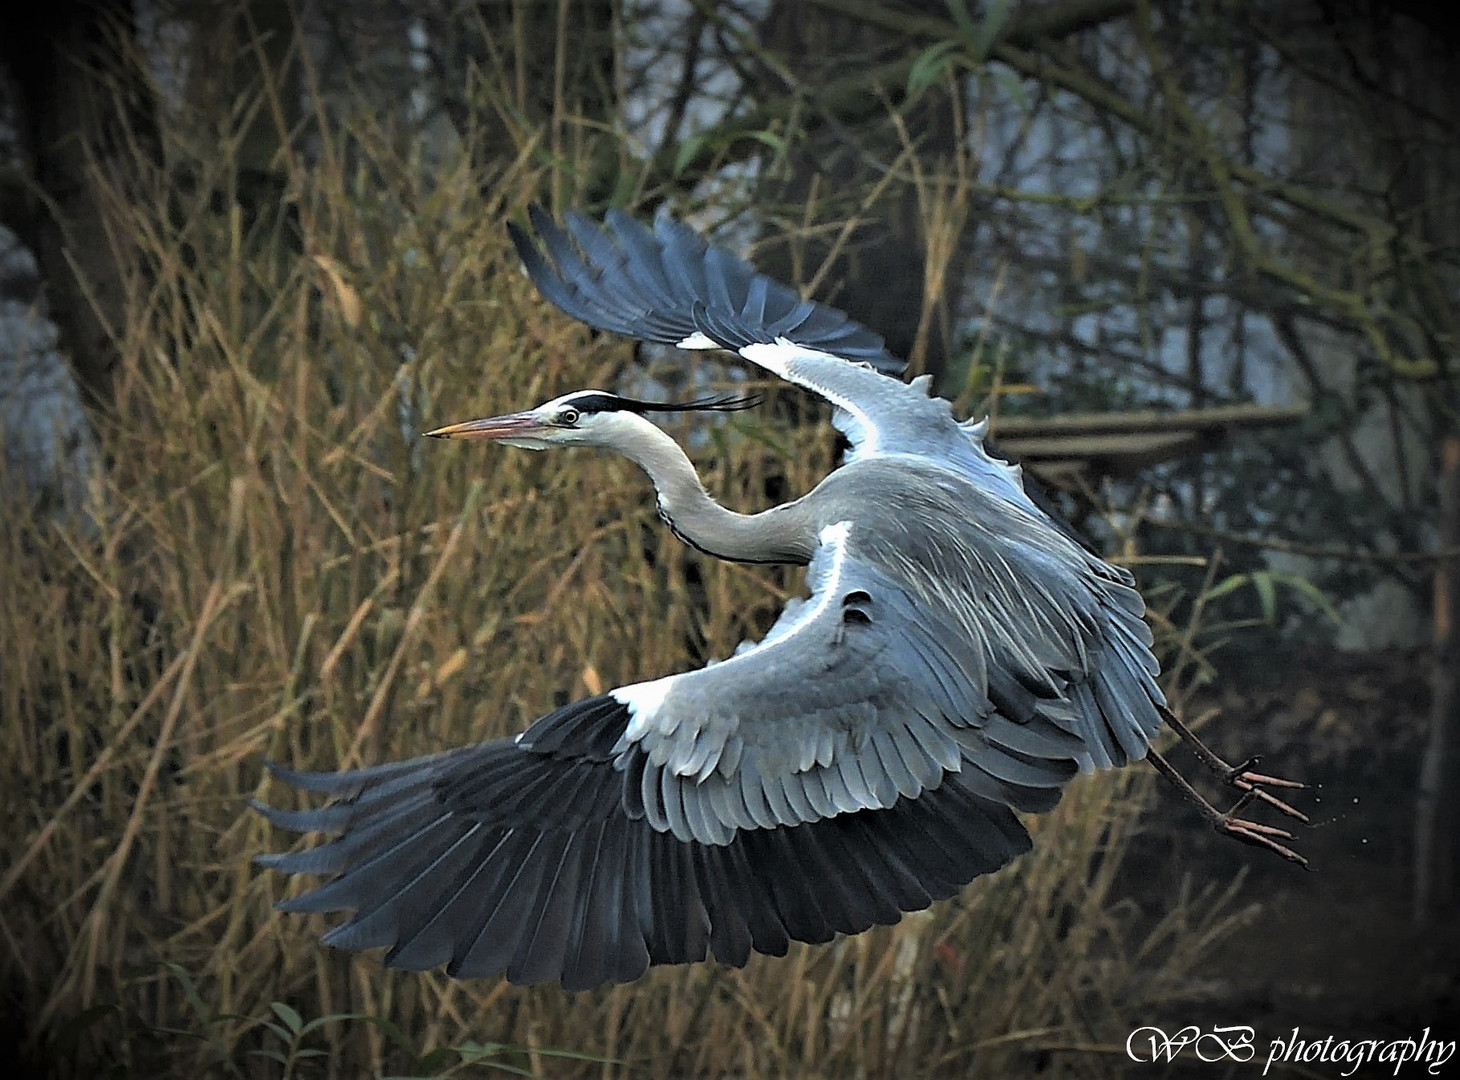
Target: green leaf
502, 1066
769, 138
320, 1021
437, 1061
1312, 592
623, 187
391, 1032
958, 9
472, 1052
993, 24
929, 67
190, 990
756, 431
579, 1055
1012, 85
1223, 587
1266, 595
1265, 583
688, 151
292, 1020
333, 1018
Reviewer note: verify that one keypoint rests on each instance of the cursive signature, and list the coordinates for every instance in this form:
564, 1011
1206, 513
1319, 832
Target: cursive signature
1150, 1043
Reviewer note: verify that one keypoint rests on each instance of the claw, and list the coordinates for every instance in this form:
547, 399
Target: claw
1251, 789
1269, 781
1250, 832
1254, 826
1229, 824
1240, 776
1231, 772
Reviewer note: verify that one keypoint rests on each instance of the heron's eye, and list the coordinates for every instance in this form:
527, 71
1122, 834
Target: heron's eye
568, 417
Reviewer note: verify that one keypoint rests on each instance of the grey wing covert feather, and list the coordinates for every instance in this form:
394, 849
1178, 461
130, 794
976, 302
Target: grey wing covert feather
859, 697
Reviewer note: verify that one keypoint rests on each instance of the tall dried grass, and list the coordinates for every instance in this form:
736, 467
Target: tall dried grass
279, 567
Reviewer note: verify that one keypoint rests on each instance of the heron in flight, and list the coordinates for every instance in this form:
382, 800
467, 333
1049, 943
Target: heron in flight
960, 657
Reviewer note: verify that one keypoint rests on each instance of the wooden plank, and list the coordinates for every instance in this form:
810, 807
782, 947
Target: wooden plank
1218, 418
1062, 448
1149, 447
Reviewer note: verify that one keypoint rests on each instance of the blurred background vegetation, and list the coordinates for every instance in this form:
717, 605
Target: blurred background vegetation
251, 250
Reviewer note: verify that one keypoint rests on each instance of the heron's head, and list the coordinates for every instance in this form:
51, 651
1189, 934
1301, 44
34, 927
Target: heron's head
582, 418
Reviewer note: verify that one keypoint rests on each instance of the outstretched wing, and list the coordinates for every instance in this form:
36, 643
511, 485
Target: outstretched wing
667, 285
861, 761
670, 287
524, 858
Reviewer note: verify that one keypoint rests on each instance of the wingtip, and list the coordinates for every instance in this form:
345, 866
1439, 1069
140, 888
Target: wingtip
548, 231
577, 219
332, 818
520, 240
331, 782
620, 220
280, 771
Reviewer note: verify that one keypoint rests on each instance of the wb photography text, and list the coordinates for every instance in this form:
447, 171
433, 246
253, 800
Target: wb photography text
1240, 1043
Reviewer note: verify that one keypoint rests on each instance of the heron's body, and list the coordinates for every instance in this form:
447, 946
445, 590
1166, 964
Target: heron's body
961, 656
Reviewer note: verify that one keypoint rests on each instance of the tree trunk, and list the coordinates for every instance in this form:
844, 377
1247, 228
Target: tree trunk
83, 112
1437, 832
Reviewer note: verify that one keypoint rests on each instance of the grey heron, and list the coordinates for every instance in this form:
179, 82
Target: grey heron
960, 657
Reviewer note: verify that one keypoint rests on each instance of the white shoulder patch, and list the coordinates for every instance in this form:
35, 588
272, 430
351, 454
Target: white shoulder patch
698, 340
644, 701
834, 541
836, 535
773, 357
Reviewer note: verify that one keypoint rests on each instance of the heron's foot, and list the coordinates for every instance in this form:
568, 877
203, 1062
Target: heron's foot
1240, 776
1250, 832
1231, 823
1253, 832
1255, 784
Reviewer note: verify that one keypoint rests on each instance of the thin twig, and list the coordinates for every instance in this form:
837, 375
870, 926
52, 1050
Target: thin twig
1315, 551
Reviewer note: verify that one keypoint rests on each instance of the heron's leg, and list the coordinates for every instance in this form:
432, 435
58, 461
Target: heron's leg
1229, 824
1240, 776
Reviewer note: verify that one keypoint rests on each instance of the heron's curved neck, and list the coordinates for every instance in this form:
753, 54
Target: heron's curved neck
781, 534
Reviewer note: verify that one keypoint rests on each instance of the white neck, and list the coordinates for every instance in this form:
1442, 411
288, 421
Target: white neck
781, 534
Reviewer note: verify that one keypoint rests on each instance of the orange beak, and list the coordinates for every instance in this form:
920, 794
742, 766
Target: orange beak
492, 427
